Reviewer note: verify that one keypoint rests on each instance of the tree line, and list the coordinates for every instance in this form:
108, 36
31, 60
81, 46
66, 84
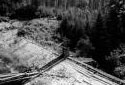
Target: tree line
99, 34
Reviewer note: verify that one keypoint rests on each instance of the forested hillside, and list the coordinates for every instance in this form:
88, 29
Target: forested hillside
89, 28
48, 7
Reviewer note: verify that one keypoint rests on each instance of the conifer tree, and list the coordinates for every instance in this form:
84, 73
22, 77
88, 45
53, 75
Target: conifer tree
98, 36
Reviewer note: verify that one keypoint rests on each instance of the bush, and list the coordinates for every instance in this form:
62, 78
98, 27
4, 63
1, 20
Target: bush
24, 13
83, 48
116, 61
20, 9
22, 68
11, 60
75, 26
43, 11
120, 72
3, 68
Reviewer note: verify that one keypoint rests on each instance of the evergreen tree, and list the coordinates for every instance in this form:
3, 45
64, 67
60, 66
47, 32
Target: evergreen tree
122, 19
108, 32
98, 37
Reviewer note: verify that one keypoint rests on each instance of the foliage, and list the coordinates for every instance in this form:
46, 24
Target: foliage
85, 24
72, 26
10, 61
97, 37
75, 26
3, 68
22, 68
120, 72
83, 47
25, 13
45, 12
36, 8
116, 61
19, 8
107, 34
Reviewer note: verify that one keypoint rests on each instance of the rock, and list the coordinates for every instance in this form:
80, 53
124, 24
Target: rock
3, 68
4, 25
39, 82
17, 24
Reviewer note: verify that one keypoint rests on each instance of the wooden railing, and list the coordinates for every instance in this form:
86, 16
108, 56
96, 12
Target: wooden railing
98, 72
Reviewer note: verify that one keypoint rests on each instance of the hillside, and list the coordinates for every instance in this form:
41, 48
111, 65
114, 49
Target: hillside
27, 44
34, 32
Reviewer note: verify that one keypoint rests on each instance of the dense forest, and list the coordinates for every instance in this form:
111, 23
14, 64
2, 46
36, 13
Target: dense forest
12, 8
90, 28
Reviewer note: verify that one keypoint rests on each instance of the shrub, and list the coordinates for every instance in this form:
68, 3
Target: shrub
75, 26
21, 68
20, 9
11, 60
24, 13
83, 48
3, 68
120, 72
116, 61
43, 11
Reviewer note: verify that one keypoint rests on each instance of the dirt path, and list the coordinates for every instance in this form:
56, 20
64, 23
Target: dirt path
69, 73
